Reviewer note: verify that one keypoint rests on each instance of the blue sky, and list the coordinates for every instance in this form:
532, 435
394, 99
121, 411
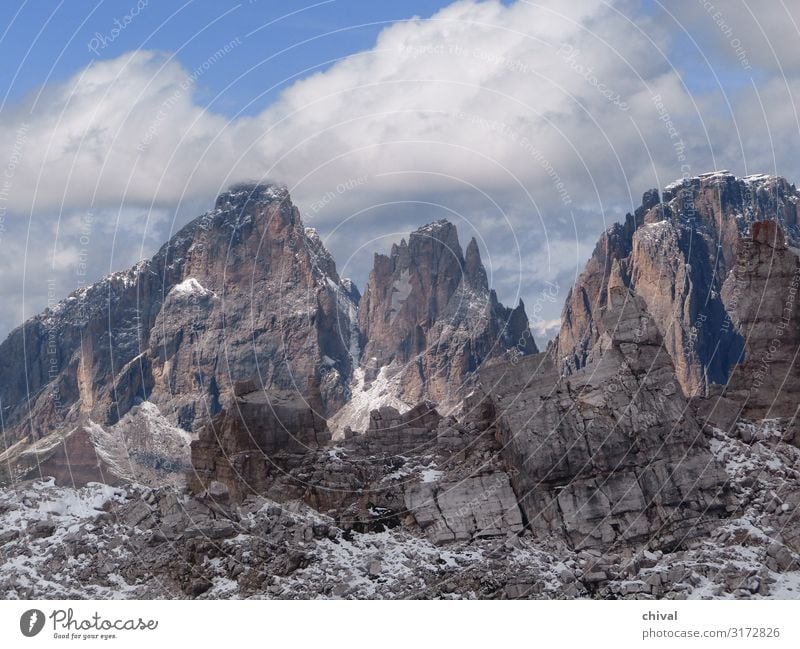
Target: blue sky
533, 124
46, 41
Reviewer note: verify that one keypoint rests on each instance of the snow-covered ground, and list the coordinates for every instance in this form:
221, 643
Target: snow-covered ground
127, 542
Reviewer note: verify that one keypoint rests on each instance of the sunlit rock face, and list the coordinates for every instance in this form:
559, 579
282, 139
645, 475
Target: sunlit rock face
676, 251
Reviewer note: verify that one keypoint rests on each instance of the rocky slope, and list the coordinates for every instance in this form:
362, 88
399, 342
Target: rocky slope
609, 457
676, 253
105, 542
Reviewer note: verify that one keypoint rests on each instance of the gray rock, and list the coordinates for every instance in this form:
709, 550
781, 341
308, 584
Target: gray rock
781, 555
609, 456
374, 568
635, 588
8, 536
218, 492
41, 529
483, 506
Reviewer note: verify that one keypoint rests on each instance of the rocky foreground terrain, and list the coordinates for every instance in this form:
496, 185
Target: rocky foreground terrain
105, 542
260, 429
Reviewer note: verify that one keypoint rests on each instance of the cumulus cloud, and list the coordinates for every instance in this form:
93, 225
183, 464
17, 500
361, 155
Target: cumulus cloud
532, 125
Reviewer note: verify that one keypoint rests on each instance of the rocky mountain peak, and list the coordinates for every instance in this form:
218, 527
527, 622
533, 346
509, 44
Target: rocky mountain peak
243, 292
474, 271
245, 195
428, 320
409, 290
676, 253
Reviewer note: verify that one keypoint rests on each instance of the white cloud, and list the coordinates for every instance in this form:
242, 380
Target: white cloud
532, 122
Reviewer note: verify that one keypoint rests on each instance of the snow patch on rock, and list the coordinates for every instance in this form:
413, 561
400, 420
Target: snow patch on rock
365, 398
191, 286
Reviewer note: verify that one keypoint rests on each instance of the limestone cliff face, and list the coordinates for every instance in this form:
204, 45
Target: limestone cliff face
429, 318
762, 294
242, 292
676, 253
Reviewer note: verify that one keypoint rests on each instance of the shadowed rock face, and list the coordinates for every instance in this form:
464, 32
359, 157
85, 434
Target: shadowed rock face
608, 456
428, 314
257, 439
243, 291
762, 294
676, 254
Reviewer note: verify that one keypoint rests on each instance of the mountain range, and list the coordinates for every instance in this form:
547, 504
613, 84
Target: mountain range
238, 370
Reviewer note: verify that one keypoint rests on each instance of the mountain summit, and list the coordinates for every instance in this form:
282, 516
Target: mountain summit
245, 295
676, 252
428, 320
242, 293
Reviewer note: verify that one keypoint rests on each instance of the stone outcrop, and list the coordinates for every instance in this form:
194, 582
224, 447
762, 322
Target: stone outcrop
483, 506
257, 439
609, 456
428, 320
415, 469
762, 296
243, 291
676, 253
